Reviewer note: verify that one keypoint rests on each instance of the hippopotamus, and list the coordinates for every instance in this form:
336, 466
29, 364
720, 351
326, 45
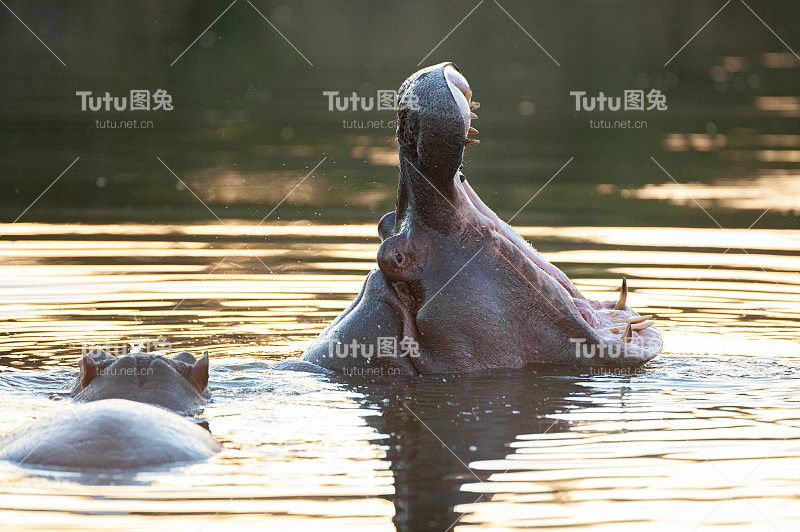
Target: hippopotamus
179, 383
456, 288
129, 421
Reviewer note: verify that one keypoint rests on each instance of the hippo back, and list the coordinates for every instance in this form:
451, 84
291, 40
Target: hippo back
108, 434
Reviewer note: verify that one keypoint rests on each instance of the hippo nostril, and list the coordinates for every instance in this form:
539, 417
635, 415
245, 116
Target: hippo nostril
398, 257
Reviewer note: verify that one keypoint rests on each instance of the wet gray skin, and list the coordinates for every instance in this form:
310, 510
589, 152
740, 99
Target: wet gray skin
458, 280
110, 434
178, 383
122, 426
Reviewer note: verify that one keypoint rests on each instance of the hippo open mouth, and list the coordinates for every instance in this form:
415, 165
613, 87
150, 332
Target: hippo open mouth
457, 281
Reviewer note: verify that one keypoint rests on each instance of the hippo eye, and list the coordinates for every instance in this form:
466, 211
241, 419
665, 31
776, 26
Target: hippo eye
398, 257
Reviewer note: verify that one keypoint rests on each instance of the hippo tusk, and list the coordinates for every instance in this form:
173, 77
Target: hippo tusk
623, 295
474, 105
628, 334
473, 131
470, 142
633, 319
473, 116
640, 326
468, 95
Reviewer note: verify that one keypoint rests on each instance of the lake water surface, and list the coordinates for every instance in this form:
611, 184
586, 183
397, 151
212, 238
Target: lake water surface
707, 435
151, 237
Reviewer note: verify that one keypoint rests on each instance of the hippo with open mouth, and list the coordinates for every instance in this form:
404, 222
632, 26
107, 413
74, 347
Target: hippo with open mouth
129, 421
457, 289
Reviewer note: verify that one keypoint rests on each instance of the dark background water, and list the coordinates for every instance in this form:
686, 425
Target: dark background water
250, 120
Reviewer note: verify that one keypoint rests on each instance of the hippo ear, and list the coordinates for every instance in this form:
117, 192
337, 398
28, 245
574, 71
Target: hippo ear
89, 365
198, 374
386, 226
186, 357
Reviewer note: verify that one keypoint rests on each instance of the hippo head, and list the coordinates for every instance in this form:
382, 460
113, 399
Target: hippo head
457, 288
178, 383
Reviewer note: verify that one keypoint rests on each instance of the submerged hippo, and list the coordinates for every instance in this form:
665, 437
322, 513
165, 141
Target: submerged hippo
117, 429
457, 289
178, 383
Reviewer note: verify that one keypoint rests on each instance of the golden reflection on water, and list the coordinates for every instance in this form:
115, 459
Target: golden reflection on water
669, 452
776, 191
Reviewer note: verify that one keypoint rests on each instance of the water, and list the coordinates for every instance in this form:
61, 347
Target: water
153, 237
705, 435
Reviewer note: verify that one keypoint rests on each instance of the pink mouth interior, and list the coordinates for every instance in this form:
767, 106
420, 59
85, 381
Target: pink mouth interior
600, 316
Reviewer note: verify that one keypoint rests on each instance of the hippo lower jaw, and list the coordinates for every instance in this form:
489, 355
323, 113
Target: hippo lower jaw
614, 322
375, 313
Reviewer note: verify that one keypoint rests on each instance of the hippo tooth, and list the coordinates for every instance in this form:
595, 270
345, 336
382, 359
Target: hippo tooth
473, 116
628, 334
615, 330
640, 326
633, 319
623, 295
468, 95
470, 142
474, 105
473, 131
